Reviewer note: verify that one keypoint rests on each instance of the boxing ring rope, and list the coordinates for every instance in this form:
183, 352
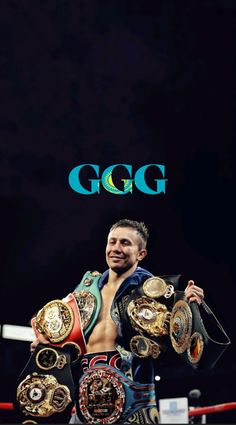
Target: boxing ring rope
6, 406
197, 411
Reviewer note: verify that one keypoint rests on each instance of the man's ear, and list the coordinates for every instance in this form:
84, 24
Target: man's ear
142, 253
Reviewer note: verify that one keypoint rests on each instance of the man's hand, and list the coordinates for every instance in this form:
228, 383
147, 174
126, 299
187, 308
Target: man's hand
40, 340
193, 292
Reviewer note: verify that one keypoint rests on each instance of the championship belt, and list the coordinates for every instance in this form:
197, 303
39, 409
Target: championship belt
149, 315
144, 347
107, 396
87, 304
88, 298
60, 322
181, 326
196, 341
45, 390
142, 315
156, 287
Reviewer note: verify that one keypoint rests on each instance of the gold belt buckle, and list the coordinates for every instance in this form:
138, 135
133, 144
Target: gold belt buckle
47, 358
101, 396
87, 303
156, 287
144, 347
42, 395
149, 315
55, 320
180, 326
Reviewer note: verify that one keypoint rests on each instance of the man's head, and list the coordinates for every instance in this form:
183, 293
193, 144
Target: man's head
126, 245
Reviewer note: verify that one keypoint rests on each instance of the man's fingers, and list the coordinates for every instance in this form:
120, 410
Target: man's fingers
33, 345
195, 298
40, 340
194, 292
190, 283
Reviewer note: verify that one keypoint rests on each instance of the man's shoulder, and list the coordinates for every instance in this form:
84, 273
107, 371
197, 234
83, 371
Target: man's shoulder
138, 276
142, 271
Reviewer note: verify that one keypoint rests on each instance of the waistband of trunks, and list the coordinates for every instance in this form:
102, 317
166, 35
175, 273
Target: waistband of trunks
110, 358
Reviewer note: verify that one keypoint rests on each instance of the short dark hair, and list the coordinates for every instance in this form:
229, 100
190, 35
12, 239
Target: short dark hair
139, 226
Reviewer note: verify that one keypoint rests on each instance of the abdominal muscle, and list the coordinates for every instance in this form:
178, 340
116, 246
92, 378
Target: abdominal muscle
102, 338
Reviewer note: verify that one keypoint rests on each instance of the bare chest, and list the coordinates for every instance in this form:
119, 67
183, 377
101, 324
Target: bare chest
108, 294
104, 333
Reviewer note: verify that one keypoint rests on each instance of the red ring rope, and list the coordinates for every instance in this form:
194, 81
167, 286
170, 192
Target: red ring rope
193, 412
6, 406
212, 409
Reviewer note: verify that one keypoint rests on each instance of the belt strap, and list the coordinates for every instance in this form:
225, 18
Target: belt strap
45, 387
89, 284
196, 335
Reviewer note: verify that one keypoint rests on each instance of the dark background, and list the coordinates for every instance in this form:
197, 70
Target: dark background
108, 82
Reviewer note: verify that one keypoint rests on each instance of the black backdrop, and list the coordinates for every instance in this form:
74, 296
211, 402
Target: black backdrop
108, 82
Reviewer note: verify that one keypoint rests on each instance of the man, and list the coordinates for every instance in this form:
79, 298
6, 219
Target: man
125, 336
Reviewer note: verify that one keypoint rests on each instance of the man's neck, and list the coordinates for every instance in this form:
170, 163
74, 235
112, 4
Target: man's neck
117, 279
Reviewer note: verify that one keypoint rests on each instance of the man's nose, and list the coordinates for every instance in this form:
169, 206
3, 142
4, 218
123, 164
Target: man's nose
116, 246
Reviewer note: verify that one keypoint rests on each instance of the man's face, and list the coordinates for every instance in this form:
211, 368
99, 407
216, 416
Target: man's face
123, 249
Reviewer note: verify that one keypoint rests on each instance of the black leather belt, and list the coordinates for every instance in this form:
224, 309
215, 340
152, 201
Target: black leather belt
144, 315
198, 337
45, 388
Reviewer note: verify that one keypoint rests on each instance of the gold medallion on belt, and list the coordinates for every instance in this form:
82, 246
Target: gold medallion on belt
156, 287
149, 315
47, 358
144, 347
42, 395
87, 304
55, 320
180, 326
101, 396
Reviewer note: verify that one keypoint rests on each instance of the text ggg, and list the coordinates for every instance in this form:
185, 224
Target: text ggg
106, 179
